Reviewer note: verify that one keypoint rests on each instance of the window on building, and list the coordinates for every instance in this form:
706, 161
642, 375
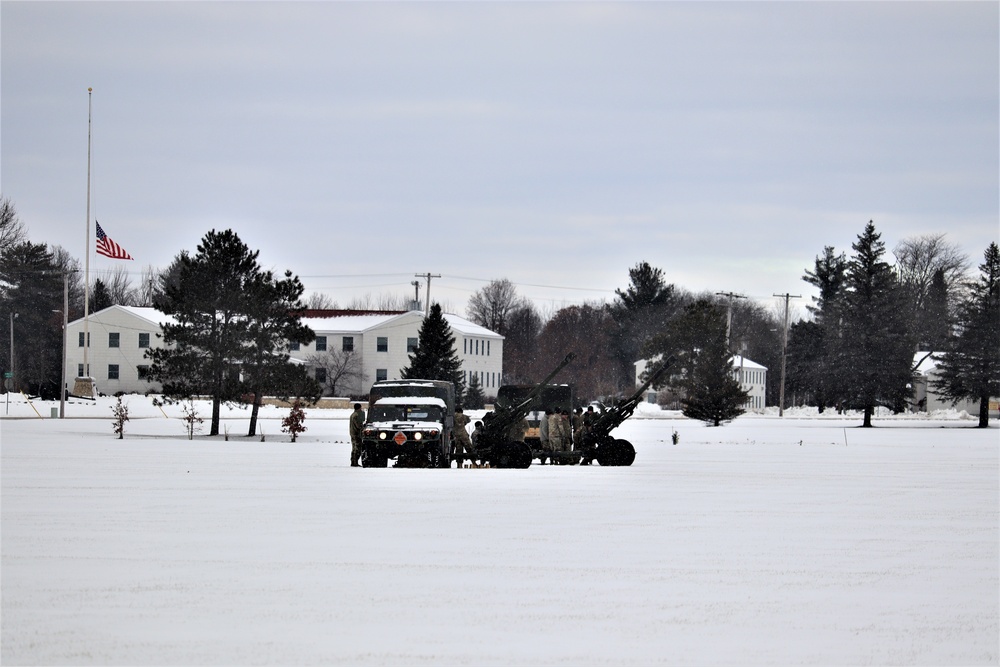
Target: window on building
477, 346
112, 371
143, 370
79, 370
81, 340
411, 345
465, 346
382, 344
114, 339
321, 375
293, 347
321, 343
348, 344
144, 340
381, 374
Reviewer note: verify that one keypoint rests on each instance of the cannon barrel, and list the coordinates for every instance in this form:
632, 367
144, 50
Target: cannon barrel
506, 416
613, 417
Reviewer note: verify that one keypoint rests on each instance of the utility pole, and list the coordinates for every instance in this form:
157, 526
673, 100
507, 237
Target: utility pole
784, 352
729, 313
428, 276
65, 314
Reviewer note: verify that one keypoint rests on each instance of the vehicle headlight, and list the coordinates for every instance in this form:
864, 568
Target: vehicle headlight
418, 436
382, 435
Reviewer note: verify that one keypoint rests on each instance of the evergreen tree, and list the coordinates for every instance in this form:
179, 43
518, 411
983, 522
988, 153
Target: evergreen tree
827, 376
935, 320
31, 302
207, 342
274, 315
875, 349
436, 357
805, 371
711, 391
100, 298
971, 367
474, 398
639, 312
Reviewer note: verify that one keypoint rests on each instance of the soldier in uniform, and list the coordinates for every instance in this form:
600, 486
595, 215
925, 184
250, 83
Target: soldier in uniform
460, 437
543, 432
577, 428
357, 426
589, 418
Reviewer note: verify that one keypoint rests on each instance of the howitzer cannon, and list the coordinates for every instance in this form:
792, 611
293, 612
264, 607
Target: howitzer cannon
501, 440
597, 442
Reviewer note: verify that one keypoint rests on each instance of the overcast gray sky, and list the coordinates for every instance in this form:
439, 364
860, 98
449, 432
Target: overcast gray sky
553, 144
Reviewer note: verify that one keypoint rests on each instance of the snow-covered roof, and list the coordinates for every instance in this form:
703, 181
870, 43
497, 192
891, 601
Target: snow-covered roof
742, 362
350, 322
362, 322
150, 315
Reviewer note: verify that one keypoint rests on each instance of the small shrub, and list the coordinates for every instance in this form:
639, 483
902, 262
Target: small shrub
120, 413
191, 419
292, 424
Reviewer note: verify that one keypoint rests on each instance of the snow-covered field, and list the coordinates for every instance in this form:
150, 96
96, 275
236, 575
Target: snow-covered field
801, 540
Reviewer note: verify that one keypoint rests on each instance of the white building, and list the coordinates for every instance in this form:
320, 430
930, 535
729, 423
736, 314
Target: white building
120, 336
385, 340
751, 375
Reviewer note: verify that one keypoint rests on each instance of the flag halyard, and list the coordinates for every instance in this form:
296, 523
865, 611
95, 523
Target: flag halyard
107, 247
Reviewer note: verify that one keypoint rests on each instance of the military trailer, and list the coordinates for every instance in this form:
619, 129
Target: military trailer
410, 421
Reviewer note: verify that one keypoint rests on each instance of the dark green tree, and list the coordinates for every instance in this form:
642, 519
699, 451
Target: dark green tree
971, 367
207, 342
100, 298
935, 320
875, 348
436, 357
639, 312
31, 302
806, 376
274, 312
827, 374
474, 398
711, 392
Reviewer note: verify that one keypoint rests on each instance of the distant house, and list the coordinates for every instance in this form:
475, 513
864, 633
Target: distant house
751, 375
121, 335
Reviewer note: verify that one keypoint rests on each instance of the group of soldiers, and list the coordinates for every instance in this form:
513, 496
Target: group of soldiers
558, 431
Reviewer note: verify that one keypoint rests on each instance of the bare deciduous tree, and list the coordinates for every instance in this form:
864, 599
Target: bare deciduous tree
12, 230
320, 301
492, 305
918, 258
118, 285
340, 368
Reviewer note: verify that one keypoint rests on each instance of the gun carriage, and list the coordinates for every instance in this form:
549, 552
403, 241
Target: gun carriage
501, 441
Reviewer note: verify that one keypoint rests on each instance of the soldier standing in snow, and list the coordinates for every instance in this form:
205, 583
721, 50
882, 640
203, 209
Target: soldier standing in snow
357, 425
577, 427
543, 432
460, 437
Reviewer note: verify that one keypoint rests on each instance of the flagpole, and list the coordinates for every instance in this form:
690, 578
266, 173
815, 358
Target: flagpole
86, 280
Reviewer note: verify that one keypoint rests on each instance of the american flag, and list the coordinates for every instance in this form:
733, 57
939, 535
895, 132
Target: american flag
107, 247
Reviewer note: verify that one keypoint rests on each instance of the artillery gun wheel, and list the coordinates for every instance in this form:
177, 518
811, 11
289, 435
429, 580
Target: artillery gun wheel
513, 455
626, 452
615, 453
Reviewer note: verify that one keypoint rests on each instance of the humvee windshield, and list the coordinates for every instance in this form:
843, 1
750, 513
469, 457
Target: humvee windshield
405, 413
